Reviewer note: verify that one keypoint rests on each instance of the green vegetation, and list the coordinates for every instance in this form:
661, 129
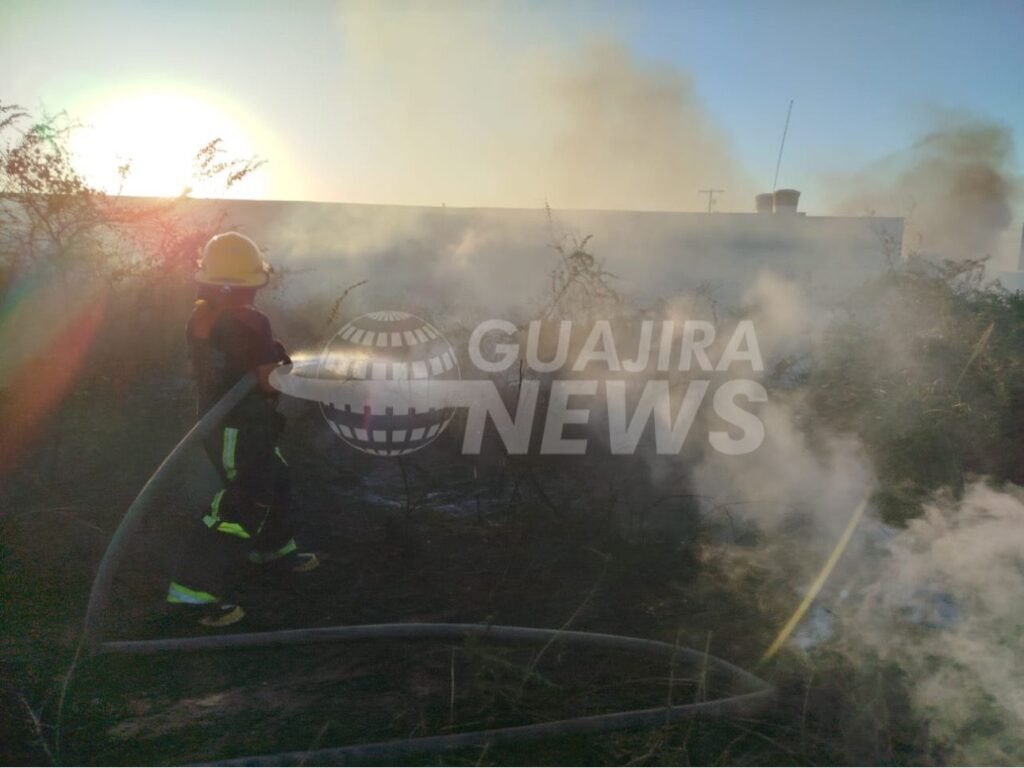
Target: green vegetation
927, 368
923, 365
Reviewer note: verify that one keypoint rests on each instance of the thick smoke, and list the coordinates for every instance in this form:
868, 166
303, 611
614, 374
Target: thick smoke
940, 599
632, 138
441, 111
797, 473
445, 107
944, 604
956, 186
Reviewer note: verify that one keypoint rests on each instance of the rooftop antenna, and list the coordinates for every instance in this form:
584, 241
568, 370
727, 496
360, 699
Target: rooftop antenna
782, 145
711, 196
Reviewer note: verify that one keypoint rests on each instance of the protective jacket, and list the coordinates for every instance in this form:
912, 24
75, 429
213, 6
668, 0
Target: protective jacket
248, 518
223, 345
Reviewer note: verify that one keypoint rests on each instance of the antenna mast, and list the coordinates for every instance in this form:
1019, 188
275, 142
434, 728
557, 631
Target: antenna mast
711, 196
778, 163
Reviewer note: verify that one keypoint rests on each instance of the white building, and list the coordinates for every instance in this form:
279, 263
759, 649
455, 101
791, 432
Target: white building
497, 259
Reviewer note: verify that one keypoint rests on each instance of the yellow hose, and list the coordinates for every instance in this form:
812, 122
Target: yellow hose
819, 582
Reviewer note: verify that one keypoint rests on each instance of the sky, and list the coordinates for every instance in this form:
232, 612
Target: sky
864, 75
582, 104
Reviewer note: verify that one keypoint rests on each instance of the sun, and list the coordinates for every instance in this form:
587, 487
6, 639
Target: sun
158, 132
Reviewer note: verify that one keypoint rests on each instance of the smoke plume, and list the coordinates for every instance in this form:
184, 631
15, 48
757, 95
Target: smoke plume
945, 605
444, 108
939, 599
956, 186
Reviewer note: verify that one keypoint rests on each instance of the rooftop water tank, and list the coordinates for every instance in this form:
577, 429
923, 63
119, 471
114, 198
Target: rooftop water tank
786, 200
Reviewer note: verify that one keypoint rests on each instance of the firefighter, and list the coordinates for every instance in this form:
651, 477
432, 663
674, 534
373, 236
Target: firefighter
248, 518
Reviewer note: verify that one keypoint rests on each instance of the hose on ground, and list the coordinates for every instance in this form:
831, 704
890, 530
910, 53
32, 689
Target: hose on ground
99, 595
359, 754
757, 695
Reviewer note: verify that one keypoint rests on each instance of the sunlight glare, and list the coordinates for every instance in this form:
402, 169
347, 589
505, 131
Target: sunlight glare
158, 132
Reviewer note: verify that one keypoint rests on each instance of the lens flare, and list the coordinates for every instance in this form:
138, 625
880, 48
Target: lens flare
156, 132
38, 377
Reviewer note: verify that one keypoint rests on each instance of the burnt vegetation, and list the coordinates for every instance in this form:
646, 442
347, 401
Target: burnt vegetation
924, 365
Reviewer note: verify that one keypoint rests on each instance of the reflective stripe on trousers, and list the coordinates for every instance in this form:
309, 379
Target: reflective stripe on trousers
179, 593
269, 557
213, 520
228, 452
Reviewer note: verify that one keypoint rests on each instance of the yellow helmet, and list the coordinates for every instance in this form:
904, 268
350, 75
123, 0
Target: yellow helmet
232, 260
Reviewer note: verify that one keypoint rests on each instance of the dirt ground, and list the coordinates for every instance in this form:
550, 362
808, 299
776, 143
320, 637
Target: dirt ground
435, 537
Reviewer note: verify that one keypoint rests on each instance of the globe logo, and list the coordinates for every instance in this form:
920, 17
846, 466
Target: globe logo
387, 347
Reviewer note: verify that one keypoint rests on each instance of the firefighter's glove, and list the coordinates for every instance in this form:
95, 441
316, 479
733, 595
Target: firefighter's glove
282, 354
